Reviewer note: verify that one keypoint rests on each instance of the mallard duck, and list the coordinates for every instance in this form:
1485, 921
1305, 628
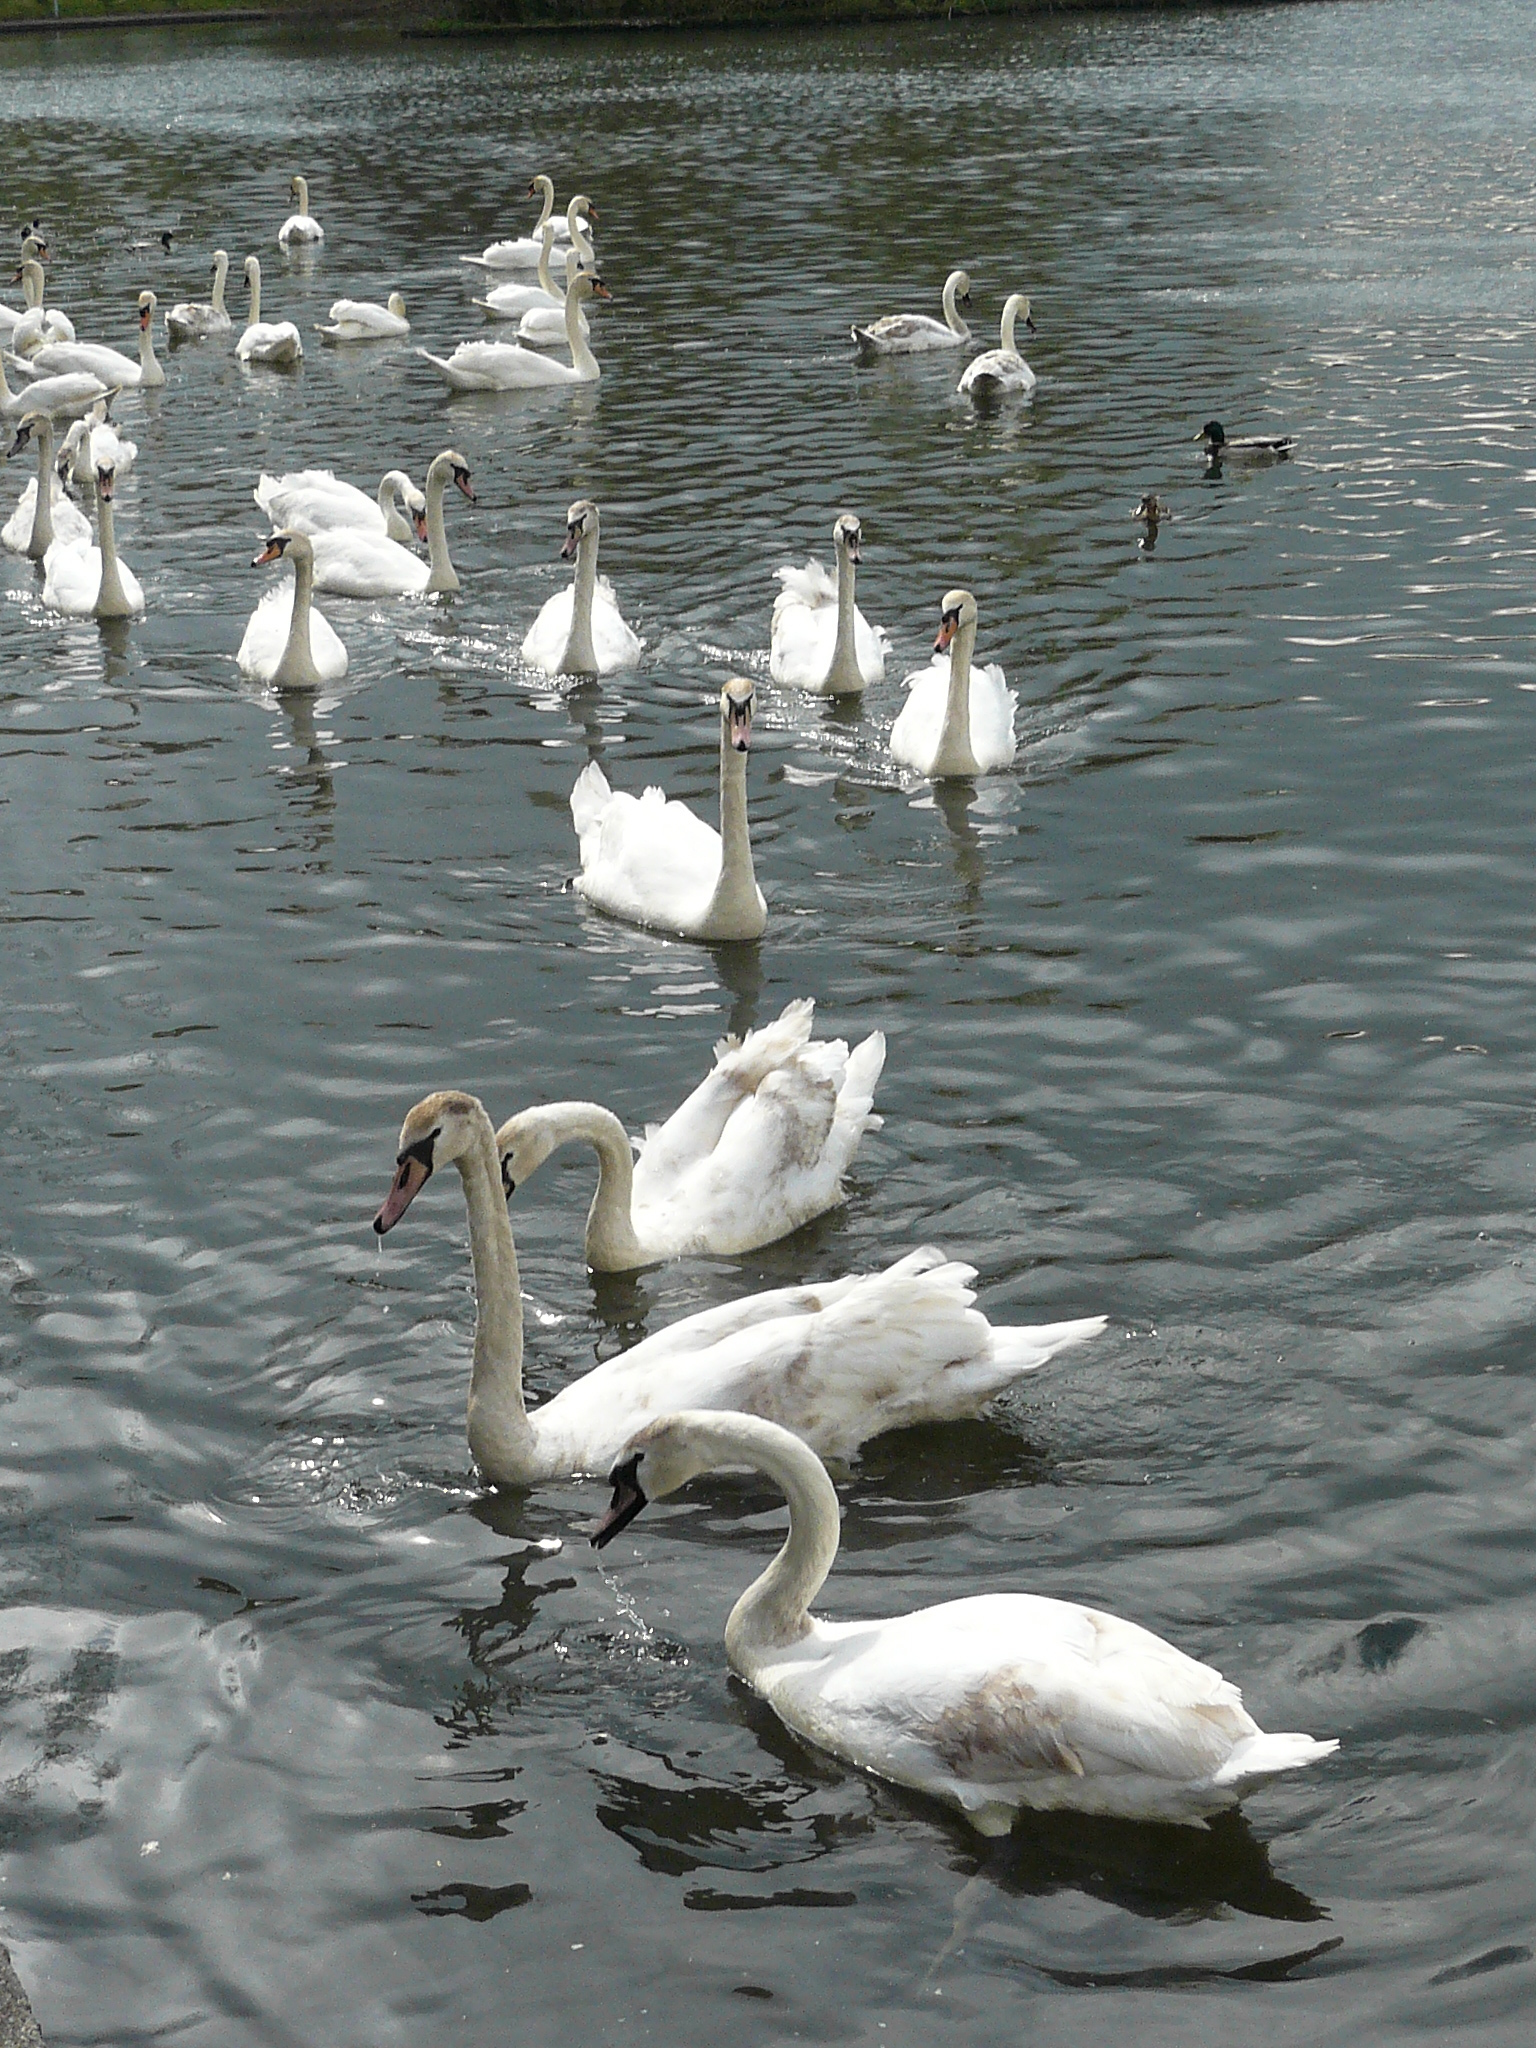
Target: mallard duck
1246, 448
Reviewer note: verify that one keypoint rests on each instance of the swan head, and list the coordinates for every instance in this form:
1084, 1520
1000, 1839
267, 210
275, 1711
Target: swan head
960, 282
1018, 305
664, 1456
441, 1128
588, 286
847, 534
253, 270
524, 1141
106, 476
957, 609
396, 304
298, 189
736, 713
220, 256
580, 208
452, 464
33, 250
580, 520
39, 423
545, 187
147, 305
281, 545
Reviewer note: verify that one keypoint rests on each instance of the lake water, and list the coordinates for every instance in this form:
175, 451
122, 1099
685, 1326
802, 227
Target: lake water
1213, 1015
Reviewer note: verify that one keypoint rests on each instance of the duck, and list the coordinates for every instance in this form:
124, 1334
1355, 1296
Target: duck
1152, 511
523, 250
76, 391
1245, 448
121, 372
759, 1148
194, 319
580, 631
316, 500
91, 582
651, 861
905, 334
350, 562
1002, 371
288, 643
837, 1362
275, 342
956, 720
503, 366
361, 320
42, 512
34, 325
512, 301
300, 227
996, 1704
820, 641
74, 460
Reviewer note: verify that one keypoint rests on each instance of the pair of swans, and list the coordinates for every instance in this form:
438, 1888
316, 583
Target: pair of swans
300, 229
275, 342
194, 319
115, 370
580, 630
86, 581
287, 643
1001, 371
362, 320
820, 641
360, 561
42, 512
95, 433
317, 501
523, 250
654, 863
957, 721
838, 1363
502, 366
994, 1704
906, 334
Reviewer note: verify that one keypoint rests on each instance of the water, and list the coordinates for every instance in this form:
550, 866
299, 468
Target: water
1213, 1015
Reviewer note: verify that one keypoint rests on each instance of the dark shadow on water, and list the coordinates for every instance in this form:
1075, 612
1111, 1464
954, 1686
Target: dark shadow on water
740, 968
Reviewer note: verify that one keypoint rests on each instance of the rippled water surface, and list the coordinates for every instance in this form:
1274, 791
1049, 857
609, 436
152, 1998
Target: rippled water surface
1214, 1014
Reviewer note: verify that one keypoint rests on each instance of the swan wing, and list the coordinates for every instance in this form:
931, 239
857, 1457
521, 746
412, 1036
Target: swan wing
70, 524
266, 636
546, 640
72, 578
992, 708
511, 301
352, 563
615, 643
869, 647
58, 358
361, 320
315, 500
905, 334
920, 723
648, 859
741, 1066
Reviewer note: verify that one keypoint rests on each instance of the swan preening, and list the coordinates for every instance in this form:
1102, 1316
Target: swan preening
653, 862
1001, 370
276, 342
1002, 1702
504, 366
114, 369
905, 334
957, 720
820, 640
758, 1149
362, 320
838, 1362
316, 500
523, 251
300, 227
287, 642
195, 318
580, 630
91, 582
42, 511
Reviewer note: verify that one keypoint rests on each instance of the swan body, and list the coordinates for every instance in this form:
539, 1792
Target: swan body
957, 720
757, 1150
1243, 447
301, 227
361, 320
580, 630
75, 391
503, 366
512, 301
995, 1704
523, 251
317, 501
544, 325
820, 640
276, 342
350, 562
837, 1362
906, 334
34, 324
91, 582
193, 319
57, 358
43, 513
95, 430
287, 643
1001, 371
653, 862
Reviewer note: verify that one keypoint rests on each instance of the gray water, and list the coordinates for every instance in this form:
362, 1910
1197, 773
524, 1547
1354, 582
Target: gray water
1212, 1015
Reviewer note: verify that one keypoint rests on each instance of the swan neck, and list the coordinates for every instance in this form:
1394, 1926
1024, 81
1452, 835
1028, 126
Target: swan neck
150, 371
955, 756
580, 654
297, 668
952, 311
612, 1246
547, 188
111, 600
500, 1436
735, 903
255, 284
443, 575
220, 272
32, 285
774, 1610
546, 282
582, 358
42, 512
1010, 314
844, 672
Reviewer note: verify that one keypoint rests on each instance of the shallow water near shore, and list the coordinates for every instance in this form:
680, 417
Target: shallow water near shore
1212, 1015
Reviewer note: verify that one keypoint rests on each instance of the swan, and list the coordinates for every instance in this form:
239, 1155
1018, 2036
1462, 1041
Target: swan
838, 1362
1245, 448
192, 319
300, 227
512, 301
905, 334
75, 448
36, 324
42, 511
652, 861
113, 368
316, 500
287, 643
524, 250
352, 563
361, 320
91, 582
758, 1148
543, 325
955, 721
580, 631
32, 251
820, 639
1002, 370
74, 392
503, 366
266, 341
994, 1704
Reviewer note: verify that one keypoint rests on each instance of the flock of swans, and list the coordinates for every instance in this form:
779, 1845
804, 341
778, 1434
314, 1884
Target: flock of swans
991, 1704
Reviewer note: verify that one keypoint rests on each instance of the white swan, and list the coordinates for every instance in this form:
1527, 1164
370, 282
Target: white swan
545, 325
997, 1703
42, 512
91, 582
32, 251
512, 301
352, 563
503, 366
820, 640
837, 1362
74, 392
266, 341
1001, 371
192, 319
905, 334
287, 642
655, 863
580, 630
35, 324
76, 447
316, 500
523, 250
58, 358
300, 227
757, 1150
956, 720
361, 320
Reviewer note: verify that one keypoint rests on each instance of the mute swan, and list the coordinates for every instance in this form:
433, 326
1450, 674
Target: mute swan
655, 863
512, 301
758, 1148
838, 1362
300, 227
75, 392
820, 639
997, 1703
42, 511
75, 448
955, 721
287, 643
36, 324
352, 563
316, 501
1246, 448
543, 325
91, 582
266, 341
580, 631
500, 366
905, 334
60, 357
361, 320
194, 318
1001, 370
523, 251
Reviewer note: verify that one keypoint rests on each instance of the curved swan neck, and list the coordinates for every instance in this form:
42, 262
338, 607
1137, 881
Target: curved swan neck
1010, 315
955, 756
952, 311
500, 1436
580, 655
443, 574
547, 187
612, 1246
546, 282
773, 1611
111, 599
42, 512
734, 903
582, 357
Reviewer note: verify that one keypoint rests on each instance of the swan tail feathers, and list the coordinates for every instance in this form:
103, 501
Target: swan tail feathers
1021, 1348
750, 1060
590, 797
1259, 1755
855, 1099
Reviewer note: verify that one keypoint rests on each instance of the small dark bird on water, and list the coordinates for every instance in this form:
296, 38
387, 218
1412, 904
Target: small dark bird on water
1246, 447
1154, 510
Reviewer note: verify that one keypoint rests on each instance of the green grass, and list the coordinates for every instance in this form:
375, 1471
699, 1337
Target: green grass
45, 10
